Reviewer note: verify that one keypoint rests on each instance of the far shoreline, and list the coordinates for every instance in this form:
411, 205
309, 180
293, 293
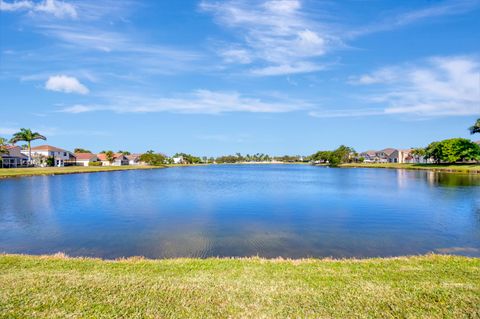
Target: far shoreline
5, 173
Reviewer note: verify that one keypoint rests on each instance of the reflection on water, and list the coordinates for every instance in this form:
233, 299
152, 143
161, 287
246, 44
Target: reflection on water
270, 210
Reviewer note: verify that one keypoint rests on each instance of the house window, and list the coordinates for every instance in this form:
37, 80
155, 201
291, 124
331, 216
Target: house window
64, 153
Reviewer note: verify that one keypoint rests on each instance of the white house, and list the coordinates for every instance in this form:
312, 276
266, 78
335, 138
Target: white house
84, 159
401, 156
178, 160
60, 156
118, 160
134, 159
14, 157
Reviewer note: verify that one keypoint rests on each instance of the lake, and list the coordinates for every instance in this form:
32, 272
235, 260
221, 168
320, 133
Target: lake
242, 210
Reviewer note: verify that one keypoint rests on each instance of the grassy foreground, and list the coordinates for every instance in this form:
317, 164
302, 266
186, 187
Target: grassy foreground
453, 168
432, 286
33, 171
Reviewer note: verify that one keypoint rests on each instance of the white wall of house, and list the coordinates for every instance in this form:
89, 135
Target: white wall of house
117, 162
59, 157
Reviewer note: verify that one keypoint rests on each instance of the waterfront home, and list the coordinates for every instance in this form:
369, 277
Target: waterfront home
178, 160
401, 156
118, 160
369, 156
84, 159
134, 159
60, 156
384, 154
14, 157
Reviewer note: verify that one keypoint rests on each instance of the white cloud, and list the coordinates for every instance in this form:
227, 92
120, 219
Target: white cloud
66, 84
198, 102
302, 67
392, 22
236, 55
440, 86
59, 9
275, 34
8, 131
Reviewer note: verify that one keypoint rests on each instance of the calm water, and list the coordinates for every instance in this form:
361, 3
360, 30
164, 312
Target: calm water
266, 210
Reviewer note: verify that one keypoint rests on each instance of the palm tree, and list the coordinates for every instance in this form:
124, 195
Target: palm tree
475, 128
3, 146
28, 136
110, 156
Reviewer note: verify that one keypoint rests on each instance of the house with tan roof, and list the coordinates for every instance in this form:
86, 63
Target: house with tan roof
384, 154
84, 159
13, 158
369, 156
401, 156
134, 159
60, 156
118, 160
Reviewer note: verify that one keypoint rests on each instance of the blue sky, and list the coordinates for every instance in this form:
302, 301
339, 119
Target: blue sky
218, 77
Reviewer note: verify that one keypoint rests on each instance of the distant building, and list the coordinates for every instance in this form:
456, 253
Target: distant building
401, 156
178, 160
60, 156
134, 159
118, 160
14, 157
384, 154
369, 156
84, 159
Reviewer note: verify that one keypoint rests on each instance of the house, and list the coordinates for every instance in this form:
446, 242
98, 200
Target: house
401, 156
477, 142
384, 154
84, 159
13, 157
178, 160
118, 160
369, 156
134, 159
60, 156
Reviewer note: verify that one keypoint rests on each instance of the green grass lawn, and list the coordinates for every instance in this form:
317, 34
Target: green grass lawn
431, 286
32, 171
456, 168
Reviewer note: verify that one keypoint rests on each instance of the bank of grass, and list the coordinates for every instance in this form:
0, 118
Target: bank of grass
34, 171
432, 286
452, 168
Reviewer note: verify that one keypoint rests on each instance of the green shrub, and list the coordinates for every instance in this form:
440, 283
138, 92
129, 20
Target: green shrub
95, 164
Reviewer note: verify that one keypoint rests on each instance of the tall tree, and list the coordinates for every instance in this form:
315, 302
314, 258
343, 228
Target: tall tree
3, 146
81, 150
28, 136
110, 156
453, 150
475, 128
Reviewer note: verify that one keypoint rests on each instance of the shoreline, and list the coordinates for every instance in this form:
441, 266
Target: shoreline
440, 168
67, 170
473, 169
434, 286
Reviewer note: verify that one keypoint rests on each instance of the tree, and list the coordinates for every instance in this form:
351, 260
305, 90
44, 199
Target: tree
342, 154
124, 152
81, 150
418, 153
110, 156
153, 159
453, 150
3, 146
475, 128
28, 136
